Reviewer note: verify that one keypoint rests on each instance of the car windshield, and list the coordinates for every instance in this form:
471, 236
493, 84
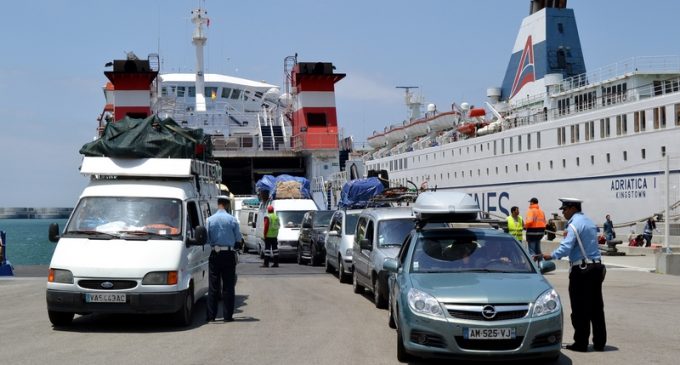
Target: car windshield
463, 250
351, 223
323, 218
118, 216
393, 231
291, 218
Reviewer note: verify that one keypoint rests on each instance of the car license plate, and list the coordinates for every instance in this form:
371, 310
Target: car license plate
104, 298
489, 333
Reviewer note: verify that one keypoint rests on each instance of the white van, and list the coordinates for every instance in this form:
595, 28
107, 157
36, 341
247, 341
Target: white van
290, 213
135, 242
247, 217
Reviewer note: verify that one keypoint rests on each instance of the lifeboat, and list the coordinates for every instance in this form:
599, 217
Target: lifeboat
443, 121
395, 135
416, 128
377, 140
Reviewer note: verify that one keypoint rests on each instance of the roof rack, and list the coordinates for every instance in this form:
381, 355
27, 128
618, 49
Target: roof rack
393, 196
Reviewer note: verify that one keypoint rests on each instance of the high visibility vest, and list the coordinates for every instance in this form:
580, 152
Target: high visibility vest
535, 217
515, 228
273, 229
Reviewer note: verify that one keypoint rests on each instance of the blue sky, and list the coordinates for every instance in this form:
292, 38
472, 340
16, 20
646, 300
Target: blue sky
54, 51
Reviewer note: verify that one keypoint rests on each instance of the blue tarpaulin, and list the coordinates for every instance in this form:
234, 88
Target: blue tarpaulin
268, 183
357, 193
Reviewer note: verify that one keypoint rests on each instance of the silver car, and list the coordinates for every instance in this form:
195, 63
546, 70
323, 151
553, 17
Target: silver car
339, 240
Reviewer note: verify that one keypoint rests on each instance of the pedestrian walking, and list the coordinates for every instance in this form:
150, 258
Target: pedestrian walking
271, 243
608, 228
223, 236
650, 227
515, 224
585, 276
535, 225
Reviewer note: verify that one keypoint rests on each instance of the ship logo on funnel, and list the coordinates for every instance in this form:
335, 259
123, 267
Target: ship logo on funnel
525, 70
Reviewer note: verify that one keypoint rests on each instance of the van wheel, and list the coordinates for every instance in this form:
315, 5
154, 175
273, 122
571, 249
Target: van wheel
378, 299
60, 318
183, 317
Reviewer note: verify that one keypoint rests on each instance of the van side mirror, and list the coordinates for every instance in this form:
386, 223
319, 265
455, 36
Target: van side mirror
200, 237
53, 233
365, 244
391, 265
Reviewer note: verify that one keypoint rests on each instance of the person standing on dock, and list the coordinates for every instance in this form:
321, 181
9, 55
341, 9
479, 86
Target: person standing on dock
271, 243
608, 229
224, 235
650, 227
535, 225
585, 276
515, 224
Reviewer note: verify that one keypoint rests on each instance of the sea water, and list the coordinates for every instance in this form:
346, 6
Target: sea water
27, 242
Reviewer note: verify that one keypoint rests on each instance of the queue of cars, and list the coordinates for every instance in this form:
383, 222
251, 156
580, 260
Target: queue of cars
455, 286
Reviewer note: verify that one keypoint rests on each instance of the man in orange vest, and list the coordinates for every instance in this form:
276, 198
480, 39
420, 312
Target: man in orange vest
535, 225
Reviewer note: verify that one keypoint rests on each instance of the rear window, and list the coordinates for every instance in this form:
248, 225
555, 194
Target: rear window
351, 223
466, 250
322, 218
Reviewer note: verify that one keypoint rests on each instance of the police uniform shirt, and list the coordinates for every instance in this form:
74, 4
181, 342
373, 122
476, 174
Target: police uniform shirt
569, 245
223, 229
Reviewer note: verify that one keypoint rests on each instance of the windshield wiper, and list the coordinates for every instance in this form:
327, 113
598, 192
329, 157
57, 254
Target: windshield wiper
144, 235
93, 234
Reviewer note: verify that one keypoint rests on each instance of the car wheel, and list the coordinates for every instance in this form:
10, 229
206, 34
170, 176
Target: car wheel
329, 268
402, 355
184, 315
342, 276
378, 299
358, 288
60, 318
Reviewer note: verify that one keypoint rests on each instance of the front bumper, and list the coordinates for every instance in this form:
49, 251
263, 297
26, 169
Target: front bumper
68, 301
535, 337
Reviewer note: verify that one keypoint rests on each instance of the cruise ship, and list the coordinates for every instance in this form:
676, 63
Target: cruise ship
255, 128
553, 129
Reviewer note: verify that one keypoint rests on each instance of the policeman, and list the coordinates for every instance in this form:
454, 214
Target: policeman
271, 232
223, 236
585, 276
515, 224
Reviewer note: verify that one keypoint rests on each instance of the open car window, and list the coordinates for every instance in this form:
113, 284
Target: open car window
468, 251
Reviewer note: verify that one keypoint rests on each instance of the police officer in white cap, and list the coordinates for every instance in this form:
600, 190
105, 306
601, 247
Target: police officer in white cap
585, 276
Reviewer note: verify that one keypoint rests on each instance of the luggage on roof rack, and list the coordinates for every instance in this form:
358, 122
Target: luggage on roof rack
358, 193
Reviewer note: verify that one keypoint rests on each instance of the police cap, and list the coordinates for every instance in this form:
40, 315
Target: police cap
570, 202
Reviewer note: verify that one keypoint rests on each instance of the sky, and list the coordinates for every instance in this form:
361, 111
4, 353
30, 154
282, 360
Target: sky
53, 54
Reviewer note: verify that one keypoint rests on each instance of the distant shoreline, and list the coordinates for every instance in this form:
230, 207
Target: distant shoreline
35, 213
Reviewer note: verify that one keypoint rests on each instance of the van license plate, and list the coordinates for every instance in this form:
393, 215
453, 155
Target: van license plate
104, 298
489, 333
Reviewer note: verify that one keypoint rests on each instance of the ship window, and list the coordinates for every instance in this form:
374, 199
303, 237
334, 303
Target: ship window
180, 91
164, 91
551, 164
468, 150
527, 166
574, 133
677, 114
462, 174
502, 146
564, 163
487, 171
192, 91
455, 174
625, 155
560, 27
538, 165
604, 128
479, 172
510, 143
210, 92
592, 159
663, 151
236, 94
494, 147
258, 94
609, 158
448, 175
621, 124
516, 168
519, 143
643, 152
496, 170
316, 120
225, 92
406, 163
578, 161
474, 148
538, 139
660, 117
529, 141
426, 157
470, 173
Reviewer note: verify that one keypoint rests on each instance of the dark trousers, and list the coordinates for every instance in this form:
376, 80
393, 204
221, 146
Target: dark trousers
587, 305
271, 251
648, 239
534, 244
222, 270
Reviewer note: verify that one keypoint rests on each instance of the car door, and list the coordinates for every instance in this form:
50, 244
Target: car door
198, 255
397, 280
332, 241
361, 257
306, 231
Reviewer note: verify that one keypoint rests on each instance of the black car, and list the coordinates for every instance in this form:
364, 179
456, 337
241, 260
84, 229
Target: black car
313, 236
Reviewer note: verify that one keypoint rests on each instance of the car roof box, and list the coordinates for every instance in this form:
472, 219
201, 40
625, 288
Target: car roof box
446, 206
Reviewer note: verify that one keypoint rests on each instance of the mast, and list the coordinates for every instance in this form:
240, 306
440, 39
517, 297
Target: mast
199, 18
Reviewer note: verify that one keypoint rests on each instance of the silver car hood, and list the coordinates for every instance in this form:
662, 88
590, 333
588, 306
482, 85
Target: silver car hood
479, 288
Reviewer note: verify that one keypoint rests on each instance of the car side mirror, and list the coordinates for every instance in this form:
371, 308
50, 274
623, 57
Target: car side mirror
365, 244
334, 233
53, 233
546, 266
254, 224
391, 265
200, 237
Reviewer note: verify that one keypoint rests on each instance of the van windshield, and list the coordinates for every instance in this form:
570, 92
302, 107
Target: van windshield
291, 218
113, 216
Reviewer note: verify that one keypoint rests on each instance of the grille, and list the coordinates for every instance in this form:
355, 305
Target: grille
491, 345
427, 339
473, 312
477, 316
117, 284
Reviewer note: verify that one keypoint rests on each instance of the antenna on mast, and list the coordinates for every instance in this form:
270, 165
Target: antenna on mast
413, 103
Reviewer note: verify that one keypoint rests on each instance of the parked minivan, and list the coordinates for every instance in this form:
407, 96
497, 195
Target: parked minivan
135, 242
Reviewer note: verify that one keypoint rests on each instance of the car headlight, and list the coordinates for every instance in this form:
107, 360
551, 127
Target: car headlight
60, 276
424, 304
160, 278
348, 252
547, 303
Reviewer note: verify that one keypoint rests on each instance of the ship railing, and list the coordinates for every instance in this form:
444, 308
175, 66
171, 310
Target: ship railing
647, 64
314, 140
